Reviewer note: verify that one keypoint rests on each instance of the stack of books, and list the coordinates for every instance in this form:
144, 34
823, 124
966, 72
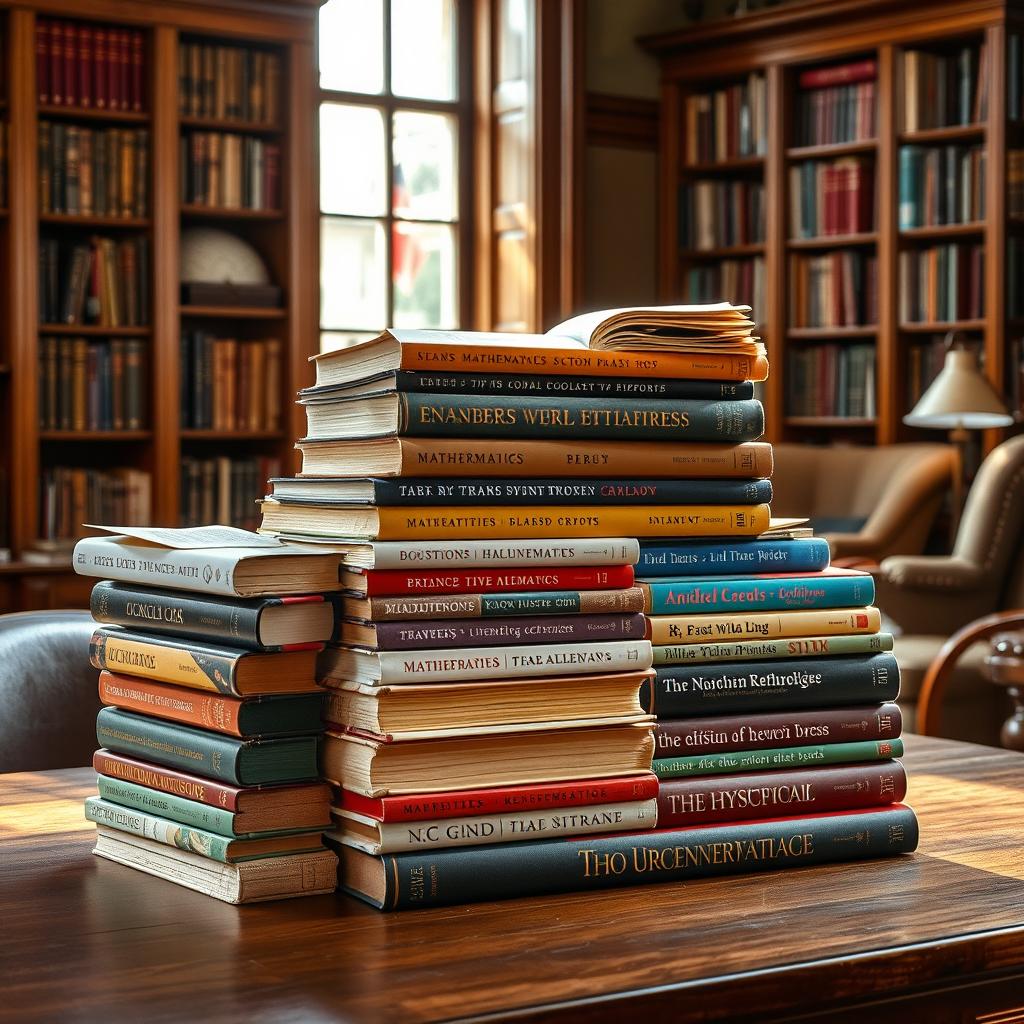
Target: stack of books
208, 771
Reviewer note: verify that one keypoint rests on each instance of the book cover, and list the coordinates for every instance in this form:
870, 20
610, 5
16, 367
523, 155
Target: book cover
719, 558
788, 647
192, 813
737, 626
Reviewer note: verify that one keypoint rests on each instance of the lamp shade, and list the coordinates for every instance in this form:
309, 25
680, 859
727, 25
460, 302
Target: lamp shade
960, 396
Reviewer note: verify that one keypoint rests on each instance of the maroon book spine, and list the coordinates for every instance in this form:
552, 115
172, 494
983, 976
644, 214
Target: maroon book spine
137, 71
43, 60
782, 729
56, 62
110, 70
70, 65
803, 791
842, 74
99, 68
85, 66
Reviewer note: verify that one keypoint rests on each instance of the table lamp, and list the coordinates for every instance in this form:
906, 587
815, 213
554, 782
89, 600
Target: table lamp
958, 400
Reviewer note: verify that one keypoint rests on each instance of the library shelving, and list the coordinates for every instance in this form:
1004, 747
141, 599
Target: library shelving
269, 46
855, 92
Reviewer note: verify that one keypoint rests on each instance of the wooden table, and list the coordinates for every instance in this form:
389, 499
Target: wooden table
935, 937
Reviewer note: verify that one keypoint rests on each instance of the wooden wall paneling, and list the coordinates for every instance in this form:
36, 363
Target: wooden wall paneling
890, 359
670, 133
775, 316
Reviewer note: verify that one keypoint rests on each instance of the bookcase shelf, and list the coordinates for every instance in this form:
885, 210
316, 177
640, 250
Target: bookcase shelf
234, 312
813, 64
58, 112
723, 252
231, 435
83, 220
95, 331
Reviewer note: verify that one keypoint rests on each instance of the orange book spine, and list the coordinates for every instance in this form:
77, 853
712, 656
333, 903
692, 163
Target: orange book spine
175, 703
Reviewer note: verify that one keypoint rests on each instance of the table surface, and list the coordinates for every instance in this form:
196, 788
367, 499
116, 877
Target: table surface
85, 939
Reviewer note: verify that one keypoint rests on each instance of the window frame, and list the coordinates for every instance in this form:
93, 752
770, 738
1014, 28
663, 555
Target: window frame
461, 109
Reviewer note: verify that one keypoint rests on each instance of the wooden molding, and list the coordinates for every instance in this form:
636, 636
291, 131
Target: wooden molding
625, 122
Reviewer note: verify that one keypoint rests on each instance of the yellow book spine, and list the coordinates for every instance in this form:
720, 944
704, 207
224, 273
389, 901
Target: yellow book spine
487, 522
674, 629
155, 661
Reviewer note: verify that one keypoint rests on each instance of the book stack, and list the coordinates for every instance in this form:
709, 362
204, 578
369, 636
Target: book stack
224, 489
834, 197
943, 185
228, 171
208, 771
837, 104
774, 689
944, 282
71, 495
836, 289
836, 379
716, 214
728, 123
945, 89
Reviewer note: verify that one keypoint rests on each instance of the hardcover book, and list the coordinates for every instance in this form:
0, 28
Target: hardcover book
736, 626
727, 558
787, 647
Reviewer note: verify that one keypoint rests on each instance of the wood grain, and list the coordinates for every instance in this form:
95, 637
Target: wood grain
89, 938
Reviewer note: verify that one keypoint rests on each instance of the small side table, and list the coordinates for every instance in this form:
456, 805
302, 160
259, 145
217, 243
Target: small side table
1004, 666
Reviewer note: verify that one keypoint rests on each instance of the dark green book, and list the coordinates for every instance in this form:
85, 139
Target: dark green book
241, 762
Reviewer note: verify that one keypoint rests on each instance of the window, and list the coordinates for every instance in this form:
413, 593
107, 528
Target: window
392, 109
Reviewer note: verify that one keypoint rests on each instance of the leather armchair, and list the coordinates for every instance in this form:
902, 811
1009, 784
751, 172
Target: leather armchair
934, 599
48, 691
866, 502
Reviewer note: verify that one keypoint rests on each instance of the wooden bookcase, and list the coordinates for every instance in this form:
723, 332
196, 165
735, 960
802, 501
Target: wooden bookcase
780, 43
286, 238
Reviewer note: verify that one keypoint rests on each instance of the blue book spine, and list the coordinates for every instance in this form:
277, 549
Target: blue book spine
675, 597
726, 558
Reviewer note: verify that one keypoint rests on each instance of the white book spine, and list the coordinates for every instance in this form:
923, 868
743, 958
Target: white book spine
478, 554
514, 662
205, 570
398, 837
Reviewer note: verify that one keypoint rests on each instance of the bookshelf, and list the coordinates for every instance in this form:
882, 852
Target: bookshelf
905, 87
158, 455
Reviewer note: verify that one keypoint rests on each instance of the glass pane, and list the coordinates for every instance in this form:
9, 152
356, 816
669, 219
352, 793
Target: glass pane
423, 268
352, 160
353, 261
423, 48
424, 155
352, 45
332, 340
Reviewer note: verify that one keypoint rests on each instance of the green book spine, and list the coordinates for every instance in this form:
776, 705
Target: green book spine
783, 757
784, 647
164, 805
426, 415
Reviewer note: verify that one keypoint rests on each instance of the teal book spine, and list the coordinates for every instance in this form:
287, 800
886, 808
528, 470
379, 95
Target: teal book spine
165, 805
785, 647
782, 757
483, 416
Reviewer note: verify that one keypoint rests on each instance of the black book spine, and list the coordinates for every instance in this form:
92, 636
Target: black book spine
473, 873
540, 385
571, 492
679, 691
175, 613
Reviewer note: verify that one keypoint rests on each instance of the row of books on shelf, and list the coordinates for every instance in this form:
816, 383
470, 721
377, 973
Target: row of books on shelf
1015, 182
941, 185
1014, 76
92, 385
101, 281
941, 283
230, 384
834, 197
224, 490
837, 104
834, 380
945, 89
224, 170
739, 280
71, 496
713, 214
727, 123
1014, 270
229, 83
93, 171
80, 65
835, 289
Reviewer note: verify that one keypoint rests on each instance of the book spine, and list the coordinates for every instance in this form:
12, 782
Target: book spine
160, 830
189, 787
177, 614
777, 758
204, 711
165, 805
474, 554
403, 492
444, 665
679, 691
843, 74
517, 826
565, 602
676, 597
470, 875
689, 629
398, 636
518, 384
425, 523
805, 791
174, 746
714, 558
454, 581
581, 362
790, 647
161, 660
789, 728
651, 420
549, 795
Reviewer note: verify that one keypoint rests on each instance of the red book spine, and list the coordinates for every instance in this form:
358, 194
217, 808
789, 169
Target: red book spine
124, 68
43, 60
726, 733
136, 71
394, 582
56, 62
99, 68
191, 787
843, 74
110, 69
85, 66
70, 65
683, 802
467, 803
